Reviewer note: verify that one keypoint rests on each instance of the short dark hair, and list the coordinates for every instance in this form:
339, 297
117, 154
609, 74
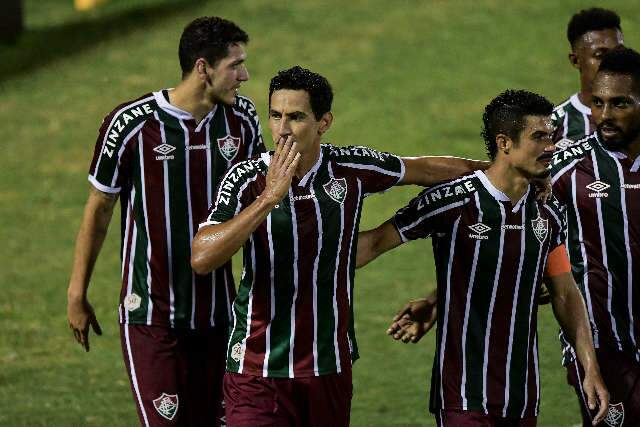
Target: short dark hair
594, 19
298, 78
208, 37
622, 60
507, 113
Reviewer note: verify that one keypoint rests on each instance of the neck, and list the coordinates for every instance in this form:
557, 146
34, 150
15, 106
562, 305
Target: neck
190, 97
585, 94
307, 160
632, 150
508, 180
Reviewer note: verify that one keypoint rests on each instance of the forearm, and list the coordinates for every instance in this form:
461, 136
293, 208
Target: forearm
93, 230
214, 245
571, 314
373, 243
430, 170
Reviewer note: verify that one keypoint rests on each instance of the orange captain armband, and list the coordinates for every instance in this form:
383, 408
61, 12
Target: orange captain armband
557, 262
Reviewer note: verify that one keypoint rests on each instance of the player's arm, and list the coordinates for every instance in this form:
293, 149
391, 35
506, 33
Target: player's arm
571, 313
215, 244
93, 229
430, 170
375, 242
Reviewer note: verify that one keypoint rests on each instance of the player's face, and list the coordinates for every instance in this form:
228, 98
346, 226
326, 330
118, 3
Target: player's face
616, 110
531, 154
590, 48
228, 74
290, 114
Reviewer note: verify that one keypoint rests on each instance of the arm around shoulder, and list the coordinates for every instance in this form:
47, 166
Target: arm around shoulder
430, 170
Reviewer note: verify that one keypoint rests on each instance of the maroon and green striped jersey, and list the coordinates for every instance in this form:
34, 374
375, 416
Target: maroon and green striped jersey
490, 256
572, 120
293, 316
601, 189
165, 168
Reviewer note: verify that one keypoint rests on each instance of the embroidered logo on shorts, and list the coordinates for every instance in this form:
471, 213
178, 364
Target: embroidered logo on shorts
615, 415
132, 302
540, 228
228, 147
336, 189
167, 405
237, 352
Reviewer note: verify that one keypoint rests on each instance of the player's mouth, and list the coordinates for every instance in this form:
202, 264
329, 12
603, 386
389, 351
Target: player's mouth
545, 159
609, 131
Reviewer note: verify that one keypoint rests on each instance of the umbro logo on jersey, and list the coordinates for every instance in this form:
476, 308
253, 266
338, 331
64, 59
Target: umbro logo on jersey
478, 231
229, 146
598, 188
336, 189
167, 405
615, 415
164, 150
540, 228
563, 143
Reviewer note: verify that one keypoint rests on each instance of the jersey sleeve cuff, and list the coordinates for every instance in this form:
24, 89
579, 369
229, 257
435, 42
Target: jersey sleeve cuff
402, 236
207, 223
102, 187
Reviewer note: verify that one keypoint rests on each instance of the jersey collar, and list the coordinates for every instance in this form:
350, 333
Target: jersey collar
179, 113
499, 195
575, 101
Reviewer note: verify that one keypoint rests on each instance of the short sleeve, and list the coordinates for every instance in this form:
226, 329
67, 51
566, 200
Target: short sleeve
110, 153
426, 214
377, 171
229, 195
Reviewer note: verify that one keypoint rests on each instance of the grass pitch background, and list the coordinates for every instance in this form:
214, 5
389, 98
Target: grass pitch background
411, 77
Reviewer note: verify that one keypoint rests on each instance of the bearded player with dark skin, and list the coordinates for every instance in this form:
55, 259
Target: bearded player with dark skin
518, 157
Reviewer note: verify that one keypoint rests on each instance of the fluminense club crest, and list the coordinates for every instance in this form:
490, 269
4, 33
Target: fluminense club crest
336, 189
540, 227
615, 415
167, 405
229, 146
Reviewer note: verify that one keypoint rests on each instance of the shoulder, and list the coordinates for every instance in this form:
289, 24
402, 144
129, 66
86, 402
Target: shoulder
566, 158
247, 170
354, 153
245, 107
450, 194
135, 110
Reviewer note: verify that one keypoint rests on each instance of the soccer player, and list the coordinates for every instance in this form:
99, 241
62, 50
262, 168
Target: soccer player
491, 240
591, 33
163, 154
296, 213
598, 180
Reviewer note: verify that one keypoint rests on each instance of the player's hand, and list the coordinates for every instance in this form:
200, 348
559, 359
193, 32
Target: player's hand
543, 187
597, 394
415, 319
281, 169
81, 315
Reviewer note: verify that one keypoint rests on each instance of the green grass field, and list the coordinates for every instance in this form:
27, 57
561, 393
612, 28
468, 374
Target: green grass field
410, 77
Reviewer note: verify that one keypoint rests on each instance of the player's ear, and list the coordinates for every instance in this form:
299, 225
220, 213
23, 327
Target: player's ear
573, 59
504, 143
325, 122
200, 69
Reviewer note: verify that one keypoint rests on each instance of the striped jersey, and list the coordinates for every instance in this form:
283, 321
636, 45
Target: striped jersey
572, 120
601, 189
166, 167
293, 316
490, 256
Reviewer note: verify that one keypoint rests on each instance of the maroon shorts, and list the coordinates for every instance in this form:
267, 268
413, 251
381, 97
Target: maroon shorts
621, 374
454, 418
176, 375
321, 401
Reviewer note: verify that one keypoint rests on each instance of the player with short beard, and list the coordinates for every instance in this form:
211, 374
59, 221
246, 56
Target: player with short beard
591, 33
598, 179
163, 154
491, 241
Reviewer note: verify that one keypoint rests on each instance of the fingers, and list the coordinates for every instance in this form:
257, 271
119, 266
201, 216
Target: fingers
603, 405
405, 311
96, 326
